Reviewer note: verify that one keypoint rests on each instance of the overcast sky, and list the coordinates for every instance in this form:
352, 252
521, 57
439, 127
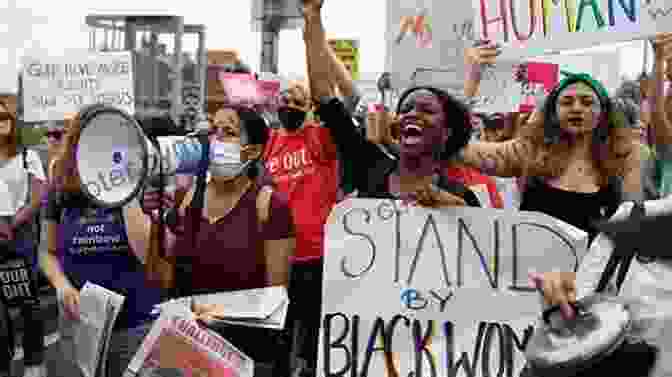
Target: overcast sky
57, 25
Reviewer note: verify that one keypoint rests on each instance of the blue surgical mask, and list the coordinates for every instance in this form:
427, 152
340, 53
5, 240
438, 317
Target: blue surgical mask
225, 160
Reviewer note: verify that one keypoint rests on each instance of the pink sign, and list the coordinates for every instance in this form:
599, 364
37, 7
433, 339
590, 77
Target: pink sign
543, 73
246, 90
541, 79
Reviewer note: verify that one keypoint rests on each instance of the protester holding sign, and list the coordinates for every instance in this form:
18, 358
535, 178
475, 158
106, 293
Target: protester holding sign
578, 153
240, 237
99, 245
21, 182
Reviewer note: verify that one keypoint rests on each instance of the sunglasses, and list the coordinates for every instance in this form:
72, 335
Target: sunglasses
55, 135
5, 117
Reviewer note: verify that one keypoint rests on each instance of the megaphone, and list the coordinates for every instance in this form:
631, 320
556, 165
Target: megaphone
115, 158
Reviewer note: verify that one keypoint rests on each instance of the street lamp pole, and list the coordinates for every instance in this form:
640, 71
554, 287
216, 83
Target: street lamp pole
270, 37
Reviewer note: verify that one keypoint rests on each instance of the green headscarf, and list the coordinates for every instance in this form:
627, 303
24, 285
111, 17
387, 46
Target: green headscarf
551, 122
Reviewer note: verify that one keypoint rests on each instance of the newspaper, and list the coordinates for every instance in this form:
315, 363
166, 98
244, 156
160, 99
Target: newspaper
262, 307
178, 346
99, 308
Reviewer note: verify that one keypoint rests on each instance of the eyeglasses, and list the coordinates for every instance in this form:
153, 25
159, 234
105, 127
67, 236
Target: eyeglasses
55, 135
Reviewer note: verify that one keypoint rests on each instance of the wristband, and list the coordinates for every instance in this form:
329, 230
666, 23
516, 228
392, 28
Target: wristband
475, 72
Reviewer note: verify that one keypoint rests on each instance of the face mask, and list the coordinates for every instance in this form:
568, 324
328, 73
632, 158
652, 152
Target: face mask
291, 119
225, 160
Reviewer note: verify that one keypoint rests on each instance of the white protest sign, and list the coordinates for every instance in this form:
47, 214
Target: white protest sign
537, 27
499, 92
57, 85
434, 292
426, 34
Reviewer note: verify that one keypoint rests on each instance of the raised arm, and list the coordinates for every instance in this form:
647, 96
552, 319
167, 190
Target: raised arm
475, 59
317, 51
633, 190
660, 122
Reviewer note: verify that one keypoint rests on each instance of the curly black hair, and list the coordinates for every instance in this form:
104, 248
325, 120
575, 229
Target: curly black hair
458, 119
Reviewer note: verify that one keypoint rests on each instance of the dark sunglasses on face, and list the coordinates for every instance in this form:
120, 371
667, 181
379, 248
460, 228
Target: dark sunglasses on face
55, 135
5, 117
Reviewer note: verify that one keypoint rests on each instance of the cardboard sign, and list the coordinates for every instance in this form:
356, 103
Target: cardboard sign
243, 89
347, 51
55, 86
541, 78
537, 27
499, 92
434, 292
426, 34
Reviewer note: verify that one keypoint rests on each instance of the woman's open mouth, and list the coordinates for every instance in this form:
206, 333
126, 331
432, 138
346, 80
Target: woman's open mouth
575, 121
412, 134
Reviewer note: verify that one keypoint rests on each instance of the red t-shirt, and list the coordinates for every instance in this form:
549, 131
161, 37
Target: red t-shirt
304, 166
476, 182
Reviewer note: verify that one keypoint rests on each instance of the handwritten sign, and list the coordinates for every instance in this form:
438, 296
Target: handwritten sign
541, 26
426, 34
539, 80
434, 292
499, 92
55, 86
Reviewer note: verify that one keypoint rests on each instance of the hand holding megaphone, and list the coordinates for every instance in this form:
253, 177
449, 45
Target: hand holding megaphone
116, 160
152, 201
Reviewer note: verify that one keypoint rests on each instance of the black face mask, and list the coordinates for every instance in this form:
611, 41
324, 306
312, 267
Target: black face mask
291, 119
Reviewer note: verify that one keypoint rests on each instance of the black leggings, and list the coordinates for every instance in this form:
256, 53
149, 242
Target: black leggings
33, 321
305, 307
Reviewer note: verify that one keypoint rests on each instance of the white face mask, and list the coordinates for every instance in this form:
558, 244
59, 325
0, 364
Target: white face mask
225, 160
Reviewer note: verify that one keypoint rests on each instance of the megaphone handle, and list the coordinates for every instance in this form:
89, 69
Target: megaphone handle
546, 314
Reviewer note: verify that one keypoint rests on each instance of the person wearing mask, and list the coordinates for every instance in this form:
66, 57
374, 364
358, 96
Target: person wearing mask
577, 154
303, 161
22, 181
104, 246
241, 238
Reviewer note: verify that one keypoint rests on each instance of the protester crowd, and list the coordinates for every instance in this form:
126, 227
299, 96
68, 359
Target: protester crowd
578, 156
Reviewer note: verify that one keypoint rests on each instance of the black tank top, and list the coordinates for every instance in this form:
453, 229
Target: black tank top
576, 208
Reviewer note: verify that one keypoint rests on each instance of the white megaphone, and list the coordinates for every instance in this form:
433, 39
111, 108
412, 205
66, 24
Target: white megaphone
115, 159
